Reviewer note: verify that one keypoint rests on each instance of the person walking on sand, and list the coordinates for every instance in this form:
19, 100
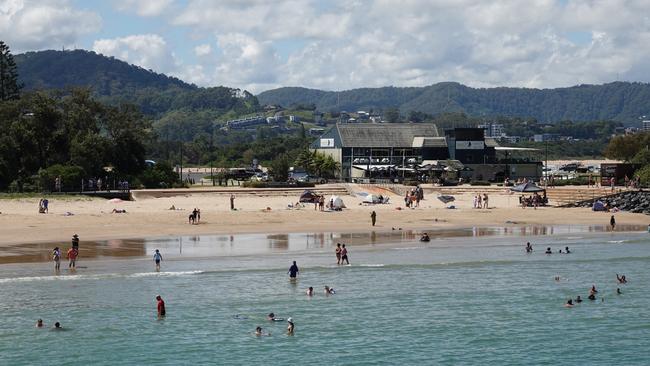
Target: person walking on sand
485, 200
157, 257
72, 256
232, 202
338, 253
344, 255
373, 218
293, 271
612, 223
56, 257
161, 307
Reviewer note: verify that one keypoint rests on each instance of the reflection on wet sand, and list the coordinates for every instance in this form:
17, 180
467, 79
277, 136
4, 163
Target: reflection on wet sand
247, 244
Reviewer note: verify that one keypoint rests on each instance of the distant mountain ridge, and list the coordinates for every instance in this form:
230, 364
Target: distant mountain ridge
619, 101
114, 81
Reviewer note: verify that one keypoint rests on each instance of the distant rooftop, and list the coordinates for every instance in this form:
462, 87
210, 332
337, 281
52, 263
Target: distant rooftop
384, 135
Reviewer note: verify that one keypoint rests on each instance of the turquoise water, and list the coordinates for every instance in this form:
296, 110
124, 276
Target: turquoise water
451, 301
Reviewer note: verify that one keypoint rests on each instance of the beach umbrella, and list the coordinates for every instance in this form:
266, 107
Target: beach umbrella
527, 187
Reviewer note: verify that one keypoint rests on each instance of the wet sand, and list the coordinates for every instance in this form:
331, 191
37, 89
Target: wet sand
250, 244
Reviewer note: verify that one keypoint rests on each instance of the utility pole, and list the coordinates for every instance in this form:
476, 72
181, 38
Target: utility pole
212, 154
181, 162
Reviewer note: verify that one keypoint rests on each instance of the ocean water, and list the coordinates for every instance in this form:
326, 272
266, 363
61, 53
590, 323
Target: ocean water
462, 300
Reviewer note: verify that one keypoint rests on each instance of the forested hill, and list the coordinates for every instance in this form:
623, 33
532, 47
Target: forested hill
620, 101
114, 81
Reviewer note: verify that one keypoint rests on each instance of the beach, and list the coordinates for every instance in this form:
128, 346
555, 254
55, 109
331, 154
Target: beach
148, 216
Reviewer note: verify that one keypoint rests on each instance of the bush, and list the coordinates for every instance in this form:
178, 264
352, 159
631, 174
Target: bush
644, 175
71, 176
160, 175
479, 183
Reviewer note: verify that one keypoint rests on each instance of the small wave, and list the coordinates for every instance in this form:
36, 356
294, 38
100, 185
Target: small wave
617, 241
371, 265
79, 277
408, 248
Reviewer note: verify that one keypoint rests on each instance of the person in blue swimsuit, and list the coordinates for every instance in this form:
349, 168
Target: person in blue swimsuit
157, 257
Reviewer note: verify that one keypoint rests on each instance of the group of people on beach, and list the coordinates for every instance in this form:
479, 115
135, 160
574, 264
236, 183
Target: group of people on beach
195, 217
71, 255
480, 201
592, 292
43, 205
413, 197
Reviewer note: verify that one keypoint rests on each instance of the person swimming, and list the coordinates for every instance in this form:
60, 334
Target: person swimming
621, 279
529, 248
57, 326
566, 250
549, 251
39, 323
592, 297
259, 332
618, 291
271, 317
310, 291
329, 290
569, 303
425, 237
578, 299
593, 290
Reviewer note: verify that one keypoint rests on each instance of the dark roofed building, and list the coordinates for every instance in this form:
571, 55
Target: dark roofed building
391, 151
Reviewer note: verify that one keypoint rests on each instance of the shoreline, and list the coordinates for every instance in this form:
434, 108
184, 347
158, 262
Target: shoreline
204, 247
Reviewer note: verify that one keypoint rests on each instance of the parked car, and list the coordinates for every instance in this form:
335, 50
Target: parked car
311, 179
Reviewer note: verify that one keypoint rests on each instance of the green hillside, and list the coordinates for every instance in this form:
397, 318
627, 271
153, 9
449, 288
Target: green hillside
620, 101
179, 110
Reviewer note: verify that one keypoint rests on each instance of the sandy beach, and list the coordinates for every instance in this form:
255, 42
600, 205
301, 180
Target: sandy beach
151, 217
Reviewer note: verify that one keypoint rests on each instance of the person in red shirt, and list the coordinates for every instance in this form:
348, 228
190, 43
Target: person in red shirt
72, 256
161, 307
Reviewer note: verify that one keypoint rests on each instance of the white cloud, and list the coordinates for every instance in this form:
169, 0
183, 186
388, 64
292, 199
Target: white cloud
145, 8
342, 44
149, 51
202, 50
34, 25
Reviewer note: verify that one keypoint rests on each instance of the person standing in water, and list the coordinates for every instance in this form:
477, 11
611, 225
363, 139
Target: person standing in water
344, 255
373, 218
72, 256
529, 248
161, 307
290, 326
157, 257
338, 253
232, 202
75, 241
56, 257
293, 271
612, 223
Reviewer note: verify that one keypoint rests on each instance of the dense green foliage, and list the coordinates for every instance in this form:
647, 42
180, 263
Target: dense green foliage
9, 86
41, 130
619, 101
628, 147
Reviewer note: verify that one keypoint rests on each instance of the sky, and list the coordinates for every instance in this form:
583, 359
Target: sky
344, 44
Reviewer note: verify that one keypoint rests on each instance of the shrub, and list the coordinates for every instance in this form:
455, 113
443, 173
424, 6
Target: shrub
71, 176
644, 175
479, 183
